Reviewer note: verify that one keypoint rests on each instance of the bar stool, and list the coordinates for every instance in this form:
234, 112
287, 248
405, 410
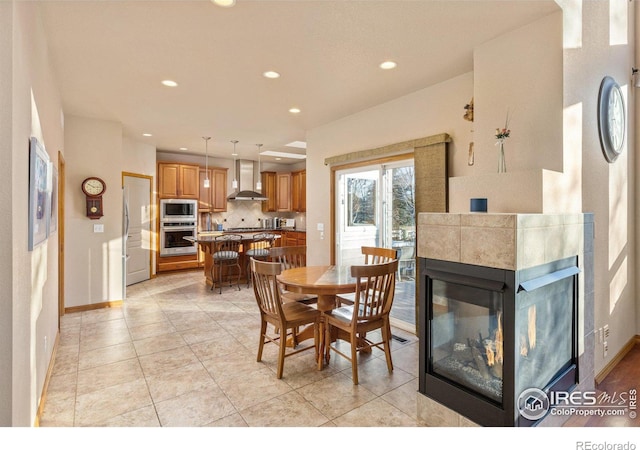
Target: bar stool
226, 254
259, 249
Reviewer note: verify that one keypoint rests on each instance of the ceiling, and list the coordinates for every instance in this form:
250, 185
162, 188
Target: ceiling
109, 58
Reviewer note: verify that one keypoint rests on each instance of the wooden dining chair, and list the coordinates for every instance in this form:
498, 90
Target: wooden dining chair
372, 255
377, 255
259, 248
285, 317
370, 311
290, 258
225, 255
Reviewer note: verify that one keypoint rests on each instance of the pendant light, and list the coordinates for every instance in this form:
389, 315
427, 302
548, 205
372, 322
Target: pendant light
206, 162
234, 184
259, 183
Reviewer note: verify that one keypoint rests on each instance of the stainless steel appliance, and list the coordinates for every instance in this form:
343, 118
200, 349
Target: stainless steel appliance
172, 236
178, 210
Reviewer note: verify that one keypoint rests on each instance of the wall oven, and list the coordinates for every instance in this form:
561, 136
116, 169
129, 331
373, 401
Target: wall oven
178, 210
172, 238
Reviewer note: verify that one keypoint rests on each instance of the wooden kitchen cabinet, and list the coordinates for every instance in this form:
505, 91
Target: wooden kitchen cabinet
178, 180
286, 191
299, 191
269, 190
293, 238
213, 199
283, 194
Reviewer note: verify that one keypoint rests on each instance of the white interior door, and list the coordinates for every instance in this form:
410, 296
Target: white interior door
375, 206
359, 214
137, 232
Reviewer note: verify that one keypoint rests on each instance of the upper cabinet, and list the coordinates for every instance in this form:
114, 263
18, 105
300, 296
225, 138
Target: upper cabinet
269, 190
178, 180
299, 191
214, 198
286, 191
283, 194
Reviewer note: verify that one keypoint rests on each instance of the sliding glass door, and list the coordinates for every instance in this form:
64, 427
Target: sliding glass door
375, 206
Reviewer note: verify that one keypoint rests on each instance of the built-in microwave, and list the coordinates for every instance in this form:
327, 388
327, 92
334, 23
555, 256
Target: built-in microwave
178, 210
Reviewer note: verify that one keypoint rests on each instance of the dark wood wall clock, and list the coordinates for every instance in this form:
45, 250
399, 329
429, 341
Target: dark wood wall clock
611, 119
93, 188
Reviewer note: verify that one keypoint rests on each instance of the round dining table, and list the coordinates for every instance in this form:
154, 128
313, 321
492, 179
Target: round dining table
324, 281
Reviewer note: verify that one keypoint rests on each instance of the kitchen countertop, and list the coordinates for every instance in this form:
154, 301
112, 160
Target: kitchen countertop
257, 230
210, 236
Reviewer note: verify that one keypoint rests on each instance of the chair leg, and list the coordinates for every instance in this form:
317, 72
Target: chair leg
263, 331
281, 353
354, 358
325, 347
239, 273
316, 340
386, 337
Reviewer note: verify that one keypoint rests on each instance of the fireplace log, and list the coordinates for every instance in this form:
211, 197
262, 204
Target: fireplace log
496, 370
481, 363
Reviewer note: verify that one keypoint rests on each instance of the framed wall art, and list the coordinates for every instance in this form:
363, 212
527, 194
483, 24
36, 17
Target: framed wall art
39, 194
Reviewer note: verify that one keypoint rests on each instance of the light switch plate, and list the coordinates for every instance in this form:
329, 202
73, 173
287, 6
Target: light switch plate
98, 228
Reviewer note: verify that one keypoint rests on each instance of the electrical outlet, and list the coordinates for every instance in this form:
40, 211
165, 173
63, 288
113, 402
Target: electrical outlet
606, 331
606, 348
599, 335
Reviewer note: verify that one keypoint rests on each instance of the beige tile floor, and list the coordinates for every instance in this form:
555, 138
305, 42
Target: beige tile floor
179, 355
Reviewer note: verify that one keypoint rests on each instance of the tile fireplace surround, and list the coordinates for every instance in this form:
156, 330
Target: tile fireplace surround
514, 242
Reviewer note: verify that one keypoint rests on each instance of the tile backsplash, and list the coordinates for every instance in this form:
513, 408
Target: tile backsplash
246, 214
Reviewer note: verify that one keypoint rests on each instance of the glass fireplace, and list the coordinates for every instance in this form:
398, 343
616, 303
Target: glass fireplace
490, 334
467, 337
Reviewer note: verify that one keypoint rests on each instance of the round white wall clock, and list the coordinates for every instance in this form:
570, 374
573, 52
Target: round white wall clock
611, 119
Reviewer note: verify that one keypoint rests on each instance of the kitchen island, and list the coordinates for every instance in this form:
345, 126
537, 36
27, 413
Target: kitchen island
205, 241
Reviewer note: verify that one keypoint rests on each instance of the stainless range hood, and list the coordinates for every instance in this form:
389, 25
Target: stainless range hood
247, 175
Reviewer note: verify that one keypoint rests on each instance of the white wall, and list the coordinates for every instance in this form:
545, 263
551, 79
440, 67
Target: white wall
594, 49
30, 303
508, 79
138, 157
6, 245
520, 73
434, 110
93, 260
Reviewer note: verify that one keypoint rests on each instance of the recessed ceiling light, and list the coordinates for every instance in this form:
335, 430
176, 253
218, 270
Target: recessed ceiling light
184, 149
147, 134
388, 65
294, 110
283, 154
224, 3
278, 159
297, 144
271, 74
169, 83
